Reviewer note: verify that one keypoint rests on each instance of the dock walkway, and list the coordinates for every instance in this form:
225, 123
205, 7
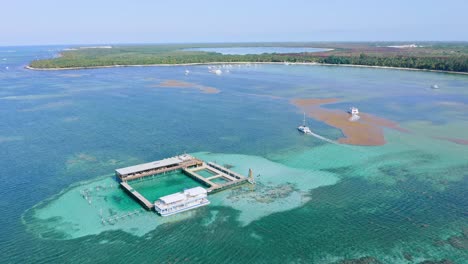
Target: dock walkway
189, 165
136, 195
231, 177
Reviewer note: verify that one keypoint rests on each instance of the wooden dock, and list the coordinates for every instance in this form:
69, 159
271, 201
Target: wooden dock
231, 177
229, 173
189, 165
137, 196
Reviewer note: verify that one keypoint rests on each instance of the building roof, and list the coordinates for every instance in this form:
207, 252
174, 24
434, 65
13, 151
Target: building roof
154, 164
195, 191
175, 197
172, 198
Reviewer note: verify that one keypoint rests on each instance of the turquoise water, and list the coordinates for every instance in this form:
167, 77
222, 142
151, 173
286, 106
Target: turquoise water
205, 173
219, 180
64, 132
258, 50
162, 185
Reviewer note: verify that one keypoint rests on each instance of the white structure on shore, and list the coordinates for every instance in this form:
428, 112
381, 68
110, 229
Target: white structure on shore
182, 201
404, 46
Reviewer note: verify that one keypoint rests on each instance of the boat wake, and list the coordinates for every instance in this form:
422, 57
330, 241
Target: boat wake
324, 138
335, 142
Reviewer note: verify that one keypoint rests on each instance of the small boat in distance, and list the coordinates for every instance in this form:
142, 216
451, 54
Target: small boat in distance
303, 128
353, 111
215, 70
435, 86
354, 114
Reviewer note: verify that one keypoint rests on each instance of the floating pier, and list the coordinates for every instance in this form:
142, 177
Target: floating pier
220, 178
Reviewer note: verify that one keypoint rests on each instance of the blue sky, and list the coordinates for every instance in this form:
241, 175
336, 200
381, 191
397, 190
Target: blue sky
38, 22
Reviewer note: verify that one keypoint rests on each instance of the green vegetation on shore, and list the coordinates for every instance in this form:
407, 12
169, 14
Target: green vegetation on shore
428, 56
455, 64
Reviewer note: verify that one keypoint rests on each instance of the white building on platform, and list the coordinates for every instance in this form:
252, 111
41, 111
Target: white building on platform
181, 201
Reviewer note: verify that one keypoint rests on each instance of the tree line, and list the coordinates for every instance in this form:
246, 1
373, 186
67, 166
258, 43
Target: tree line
93, 59
458, 64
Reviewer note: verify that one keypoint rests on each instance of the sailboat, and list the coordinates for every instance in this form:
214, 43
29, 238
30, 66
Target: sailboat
303, 128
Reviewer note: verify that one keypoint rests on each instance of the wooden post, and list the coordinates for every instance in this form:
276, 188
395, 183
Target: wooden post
251, 177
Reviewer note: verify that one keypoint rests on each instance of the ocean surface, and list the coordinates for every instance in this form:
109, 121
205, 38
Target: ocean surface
62, 134
258, 50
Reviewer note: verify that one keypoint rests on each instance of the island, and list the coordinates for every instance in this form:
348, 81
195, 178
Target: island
433, 56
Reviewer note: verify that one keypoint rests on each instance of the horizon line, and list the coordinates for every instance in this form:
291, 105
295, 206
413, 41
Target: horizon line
234, 42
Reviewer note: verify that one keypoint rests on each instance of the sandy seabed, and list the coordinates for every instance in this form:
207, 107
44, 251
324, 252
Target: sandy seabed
367, 131
187, 85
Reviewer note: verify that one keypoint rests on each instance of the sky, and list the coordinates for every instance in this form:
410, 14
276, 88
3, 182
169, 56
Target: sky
45, 22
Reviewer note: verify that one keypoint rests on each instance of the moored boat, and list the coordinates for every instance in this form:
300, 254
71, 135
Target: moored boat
181, 201
353, 111
304, 128
354, 114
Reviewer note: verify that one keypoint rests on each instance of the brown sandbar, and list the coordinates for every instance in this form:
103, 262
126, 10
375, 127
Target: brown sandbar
367, 131
186, 85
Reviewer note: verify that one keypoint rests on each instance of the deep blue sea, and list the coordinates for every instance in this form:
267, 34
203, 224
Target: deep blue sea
65, 132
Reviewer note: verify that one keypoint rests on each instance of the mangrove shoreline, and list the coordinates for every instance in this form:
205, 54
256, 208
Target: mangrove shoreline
239, 63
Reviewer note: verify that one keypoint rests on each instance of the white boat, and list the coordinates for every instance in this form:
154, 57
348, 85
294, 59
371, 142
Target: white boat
187, 72
216, 71
354, 114
353, 111
303, 128
181, 201
435, 86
